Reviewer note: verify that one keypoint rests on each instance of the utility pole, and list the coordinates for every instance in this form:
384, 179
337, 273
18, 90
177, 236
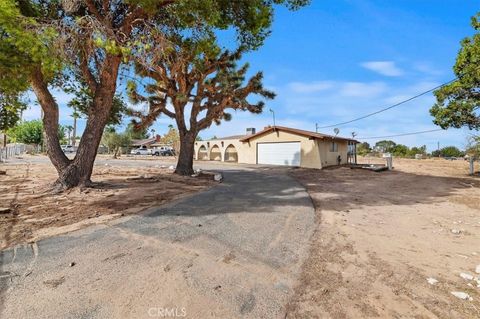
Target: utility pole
438, 148
273, 115
316, 127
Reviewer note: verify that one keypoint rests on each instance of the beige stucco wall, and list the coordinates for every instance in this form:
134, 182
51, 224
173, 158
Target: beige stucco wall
222, 144
330, 158
309, 156
314, 153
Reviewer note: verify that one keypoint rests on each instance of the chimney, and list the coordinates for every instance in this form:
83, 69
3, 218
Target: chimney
251, 130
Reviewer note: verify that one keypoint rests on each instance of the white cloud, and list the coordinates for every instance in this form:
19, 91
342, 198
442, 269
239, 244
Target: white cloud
361, 89
427, 68
387, 68
302, 87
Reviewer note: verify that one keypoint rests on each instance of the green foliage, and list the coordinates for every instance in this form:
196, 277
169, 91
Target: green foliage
473, 146
251, 19
171, 137
22, 46
114, 141
10, 110
448, 151
83, 101
385, 146
400, 150
363, 149
137, 133
458, 104
417, 150
31, 132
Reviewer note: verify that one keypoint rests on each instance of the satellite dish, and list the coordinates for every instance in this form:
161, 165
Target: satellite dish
336, 130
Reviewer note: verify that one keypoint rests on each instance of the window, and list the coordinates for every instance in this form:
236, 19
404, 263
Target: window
333, 147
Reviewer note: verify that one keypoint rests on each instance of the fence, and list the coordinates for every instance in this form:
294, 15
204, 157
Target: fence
12, 150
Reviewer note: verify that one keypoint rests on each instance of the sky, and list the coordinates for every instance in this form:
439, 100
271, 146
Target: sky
334, 61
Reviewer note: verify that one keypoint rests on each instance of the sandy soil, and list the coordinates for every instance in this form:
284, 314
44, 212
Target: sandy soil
36, 212
380, 236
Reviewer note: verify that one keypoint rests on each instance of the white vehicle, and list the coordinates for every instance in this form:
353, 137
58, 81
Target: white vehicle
141, 151
163, 151
68, 148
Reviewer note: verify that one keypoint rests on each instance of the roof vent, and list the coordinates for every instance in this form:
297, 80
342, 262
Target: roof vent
251, 130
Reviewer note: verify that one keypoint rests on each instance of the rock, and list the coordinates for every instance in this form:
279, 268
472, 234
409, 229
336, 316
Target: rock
5, 210
171, 167
456, 231
466, 276
72, 264
218, 177
462, 295
432, 281
3, 172
477, 269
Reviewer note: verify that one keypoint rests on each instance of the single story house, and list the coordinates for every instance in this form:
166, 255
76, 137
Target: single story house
146, 143
279, 145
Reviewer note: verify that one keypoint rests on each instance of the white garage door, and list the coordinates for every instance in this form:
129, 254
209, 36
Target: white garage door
279, 153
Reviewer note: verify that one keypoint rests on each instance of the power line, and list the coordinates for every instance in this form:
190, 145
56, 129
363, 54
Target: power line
391, 106
403, 134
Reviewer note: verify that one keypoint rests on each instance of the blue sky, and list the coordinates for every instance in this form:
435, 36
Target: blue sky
337, 60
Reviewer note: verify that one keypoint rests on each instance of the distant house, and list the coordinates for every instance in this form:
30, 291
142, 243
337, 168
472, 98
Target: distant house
145, 143
278, 145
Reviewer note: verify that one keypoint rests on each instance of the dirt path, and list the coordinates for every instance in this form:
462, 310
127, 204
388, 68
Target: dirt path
233, 251
380, 236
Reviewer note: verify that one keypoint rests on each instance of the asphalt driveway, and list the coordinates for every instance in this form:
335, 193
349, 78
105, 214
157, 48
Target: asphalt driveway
232, 251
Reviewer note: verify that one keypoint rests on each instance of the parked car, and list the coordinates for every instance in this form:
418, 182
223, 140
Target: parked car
163, 151
141, 151
68, 149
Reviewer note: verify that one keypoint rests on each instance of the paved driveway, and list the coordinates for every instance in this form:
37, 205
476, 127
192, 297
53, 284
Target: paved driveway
233, 251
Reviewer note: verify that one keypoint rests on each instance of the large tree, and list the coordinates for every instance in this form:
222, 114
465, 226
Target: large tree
458, 103
195, 83
46, 41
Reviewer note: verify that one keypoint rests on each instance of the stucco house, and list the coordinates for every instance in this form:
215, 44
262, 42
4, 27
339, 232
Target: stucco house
279, 145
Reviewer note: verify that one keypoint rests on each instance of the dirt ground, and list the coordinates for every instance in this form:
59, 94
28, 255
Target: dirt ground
35, 212
381, 237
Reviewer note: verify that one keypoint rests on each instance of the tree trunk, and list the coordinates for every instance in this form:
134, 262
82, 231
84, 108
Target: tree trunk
50, 121
185, 158
77, 172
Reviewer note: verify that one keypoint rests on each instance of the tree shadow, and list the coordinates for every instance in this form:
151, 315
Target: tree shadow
242, 191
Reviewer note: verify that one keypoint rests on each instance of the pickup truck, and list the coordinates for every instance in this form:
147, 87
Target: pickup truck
141, 151
163, 151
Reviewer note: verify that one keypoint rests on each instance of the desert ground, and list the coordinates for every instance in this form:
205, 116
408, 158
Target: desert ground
32, 211
393, 244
